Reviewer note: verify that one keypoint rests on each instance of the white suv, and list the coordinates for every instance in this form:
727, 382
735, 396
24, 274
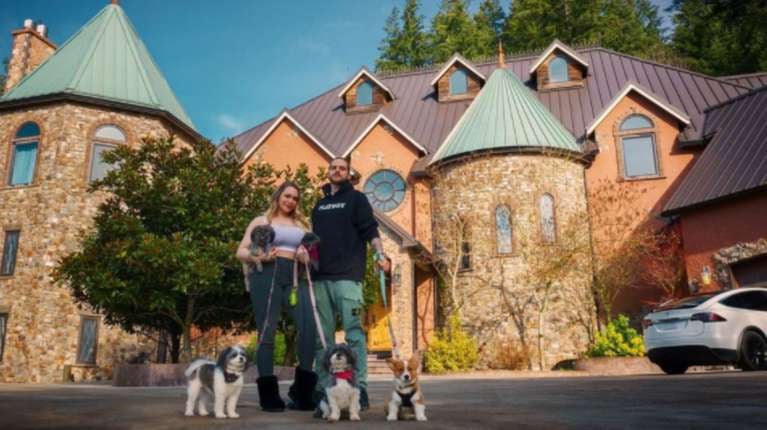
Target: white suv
720, 328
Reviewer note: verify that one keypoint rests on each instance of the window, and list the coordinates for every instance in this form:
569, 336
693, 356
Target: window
105, 138
638, 147
503, 230
465, 263
89, 331
365, 94
10, 249
754, 300
3, 330
385, 190
24, 154
548, 221
458, 83
558, 69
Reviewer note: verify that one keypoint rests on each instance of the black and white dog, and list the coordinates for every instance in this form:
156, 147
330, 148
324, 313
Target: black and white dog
221, 380
342, 393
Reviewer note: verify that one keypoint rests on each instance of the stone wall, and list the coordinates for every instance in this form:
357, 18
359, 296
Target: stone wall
497, 291
44, 322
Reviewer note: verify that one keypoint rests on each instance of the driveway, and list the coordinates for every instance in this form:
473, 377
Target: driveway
723, 400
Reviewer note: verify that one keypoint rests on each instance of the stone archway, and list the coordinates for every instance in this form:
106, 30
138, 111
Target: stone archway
726, 257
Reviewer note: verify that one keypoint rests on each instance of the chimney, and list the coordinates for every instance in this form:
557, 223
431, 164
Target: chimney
30, 47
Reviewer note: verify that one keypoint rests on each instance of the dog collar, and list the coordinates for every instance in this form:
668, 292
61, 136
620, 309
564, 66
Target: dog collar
344, 374
230, 377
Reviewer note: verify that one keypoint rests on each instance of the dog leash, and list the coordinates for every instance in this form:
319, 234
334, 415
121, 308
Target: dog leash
268, 307
313, 300
382, 284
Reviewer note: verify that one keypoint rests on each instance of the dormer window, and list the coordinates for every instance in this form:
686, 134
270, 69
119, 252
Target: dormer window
365, 94
558, 69
458, 83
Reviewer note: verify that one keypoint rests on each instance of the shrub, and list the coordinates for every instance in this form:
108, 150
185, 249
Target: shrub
451, 350
617, 340
511, 355
279, 349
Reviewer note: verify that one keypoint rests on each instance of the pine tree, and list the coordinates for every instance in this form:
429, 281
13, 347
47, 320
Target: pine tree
489, 21
405, 42
389, 49
452, 30
721, 37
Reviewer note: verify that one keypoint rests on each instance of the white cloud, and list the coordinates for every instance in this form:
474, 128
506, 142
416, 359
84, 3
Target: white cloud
229, 123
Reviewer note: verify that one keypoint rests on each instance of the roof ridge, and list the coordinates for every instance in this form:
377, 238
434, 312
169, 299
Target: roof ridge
91, 49
676, 68
736, 98
140, 64
744, 75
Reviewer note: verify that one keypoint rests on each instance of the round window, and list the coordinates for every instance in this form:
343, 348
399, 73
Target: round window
385, 190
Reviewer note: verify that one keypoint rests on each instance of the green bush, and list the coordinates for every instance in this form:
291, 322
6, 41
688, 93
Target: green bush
451, 350
279, 349
617, 340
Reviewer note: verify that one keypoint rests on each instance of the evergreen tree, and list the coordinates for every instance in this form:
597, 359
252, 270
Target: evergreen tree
721, 37
405, 42
489, 21
452, 30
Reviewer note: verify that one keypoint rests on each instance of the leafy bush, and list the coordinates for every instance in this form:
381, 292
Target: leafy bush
617, 340
451, 350
279, 349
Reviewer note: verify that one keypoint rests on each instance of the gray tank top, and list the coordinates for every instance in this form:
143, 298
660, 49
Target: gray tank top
287, 237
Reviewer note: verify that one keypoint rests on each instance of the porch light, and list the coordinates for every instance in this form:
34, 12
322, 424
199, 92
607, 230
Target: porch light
705, 275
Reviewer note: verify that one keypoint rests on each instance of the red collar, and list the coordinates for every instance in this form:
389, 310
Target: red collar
344, 374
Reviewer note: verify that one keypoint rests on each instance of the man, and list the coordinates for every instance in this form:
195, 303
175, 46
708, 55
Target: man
344, 221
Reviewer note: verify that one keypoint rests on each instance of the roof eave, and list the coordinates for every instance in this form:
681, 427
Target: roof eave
457, 58
366, 72
556, 44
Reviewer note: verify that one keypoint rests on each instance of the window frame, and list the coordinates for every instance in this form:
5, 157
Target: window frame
16, 251
357, 94
553, 219
567, 70
83, 318
15, 140
95, 140
465, 83
3, 316
497, 230
404, 190
622, 135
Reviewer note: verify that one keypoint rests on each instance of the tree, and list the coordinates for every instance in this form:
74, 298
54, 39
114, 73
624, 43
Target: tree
161, 254
489, 21
405, 43
4, 76
721, 37
452, 30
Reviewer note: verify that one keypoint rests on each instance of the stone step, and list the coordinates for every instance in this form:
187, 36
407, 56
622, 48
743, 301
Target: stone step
377, 363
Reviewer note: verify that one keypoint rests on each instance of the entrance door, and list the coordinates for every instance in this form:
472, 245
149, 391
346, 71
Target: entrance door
751, 272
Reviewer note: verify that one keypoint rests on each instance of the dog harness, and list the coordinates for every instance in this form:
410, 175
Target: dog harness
230, 377
407, 399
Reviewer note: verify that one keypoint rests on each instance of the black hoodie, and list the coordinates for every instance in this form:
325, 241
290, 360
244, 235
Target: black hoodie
344, 222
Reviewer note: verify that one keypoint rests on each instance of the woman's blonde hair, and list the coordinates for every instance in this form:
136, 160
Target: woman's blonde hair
297, 215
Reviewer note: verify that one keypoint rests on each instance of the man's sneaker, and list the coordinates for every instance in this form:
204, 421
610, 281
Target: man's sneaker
364, 402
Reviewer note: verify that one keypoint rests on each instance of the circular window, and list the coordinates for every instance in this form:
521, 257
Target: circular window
385, 190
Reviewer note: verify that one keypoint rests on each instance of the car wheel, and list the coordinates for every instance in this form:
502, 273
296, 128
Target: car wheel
673, 367
753, 351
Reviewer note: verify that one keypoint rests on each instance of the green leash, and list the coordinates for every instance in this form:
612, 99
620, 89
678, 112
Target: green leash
382, 284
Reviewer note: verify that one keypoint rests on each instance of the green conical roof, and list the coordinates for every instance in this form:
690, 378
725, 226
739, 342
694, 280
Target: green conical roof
505, 114
107, 60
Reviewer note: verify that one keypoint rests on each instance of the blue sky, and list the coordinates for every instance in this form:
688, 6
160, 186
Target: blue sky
236, 63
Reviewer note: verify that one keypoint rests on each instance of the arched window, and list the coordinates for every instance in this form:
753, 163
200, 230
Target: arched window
24, 154
385, 189
548, 219
558, 69
106, 137
503, 230
637, 136
458, 83
364, 93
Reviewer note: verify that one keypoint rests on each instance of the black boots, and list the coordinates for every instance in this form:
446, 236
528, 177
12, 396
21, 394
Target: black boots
302, 390
269, 394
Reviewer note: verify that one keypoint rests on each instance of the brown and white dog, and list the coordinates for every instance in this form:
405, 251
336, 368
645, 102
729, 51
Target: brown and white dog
407, 395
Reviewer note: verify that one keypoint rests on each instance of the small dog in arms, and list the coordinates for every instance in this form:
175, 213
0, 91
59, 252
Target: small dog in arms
407, 397
342, 393
261, 238
221, 380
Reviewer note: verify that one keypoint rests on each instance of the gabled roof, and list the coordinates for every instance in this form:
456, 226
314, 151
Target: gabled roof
505, 115
648, 95
379, 118
364, 71
104, 60
418, 113
285, 115
735, 160
556, 44
751, 80
457, 58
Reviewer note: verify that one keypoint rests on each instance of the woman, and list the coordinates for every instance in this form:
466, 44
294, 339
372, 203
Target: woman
276, 280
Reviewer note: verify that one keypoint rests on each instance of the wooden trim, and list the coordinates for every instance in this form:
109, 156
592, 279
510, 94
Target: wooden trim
92, 140
457, 58
619, 135
682, 117
83, 317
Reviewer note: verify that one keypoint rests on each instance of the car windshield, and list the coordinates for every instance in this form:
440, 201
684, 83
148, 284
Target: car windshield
685, 303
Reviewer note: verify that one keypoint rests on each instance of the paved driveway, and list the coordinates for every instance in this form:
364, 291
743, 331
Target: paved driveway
697, 401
